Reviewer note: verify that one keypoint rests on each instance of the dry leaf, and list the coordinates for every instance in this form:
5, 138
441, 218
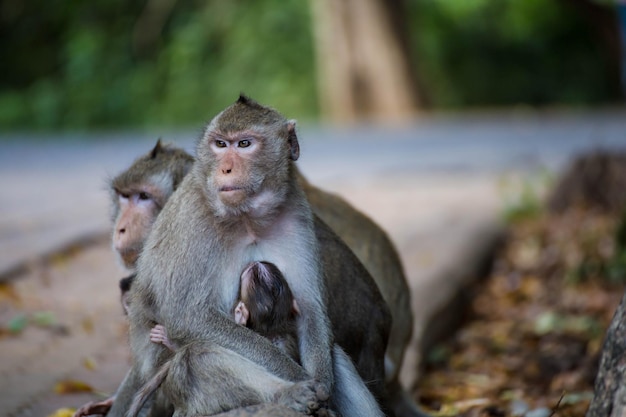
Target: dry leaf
71, 386
17, 324
90, 364
8, 293
63, 412
87, 325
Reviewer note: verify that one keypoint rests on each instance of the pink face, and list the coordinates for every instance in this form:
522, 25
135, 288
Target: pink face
138, 210
234, 154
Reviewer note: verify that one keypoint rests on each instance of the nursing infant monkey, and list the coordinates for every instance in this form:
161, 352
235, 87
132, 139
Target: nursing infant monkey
140, 193
266, 305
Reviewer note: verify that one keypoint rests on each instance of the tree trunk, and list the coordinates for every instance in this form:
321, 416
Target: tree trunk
601, 18
363, 62
609, 398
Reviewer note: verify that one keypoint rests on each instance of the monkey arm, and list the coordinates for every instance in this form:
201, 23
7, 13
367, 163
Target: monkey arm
223, 331
315, 343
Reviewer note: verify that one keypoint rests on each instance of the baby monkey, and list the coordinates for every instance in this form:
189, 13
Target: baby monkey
267, 306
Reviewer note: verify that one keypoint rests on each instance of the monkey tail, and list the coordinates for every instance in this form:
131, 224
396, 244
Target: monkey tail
350, 395
147, 390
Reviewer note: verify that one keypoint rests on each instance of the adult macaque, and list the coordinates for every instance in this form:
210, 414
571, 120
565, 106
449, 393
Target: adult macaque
370, 244
240, 202
361, 329
375, 250
138, 195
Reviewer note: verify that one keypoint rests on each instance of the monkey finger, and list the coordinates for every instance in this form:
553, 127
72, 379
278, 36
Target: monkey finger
326, 412
312, 406
301, 397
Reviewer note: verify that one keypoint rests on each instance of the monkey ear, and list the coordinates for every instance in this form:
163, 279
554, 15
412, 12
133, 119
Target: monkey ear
296, 309
157, 148
292, 139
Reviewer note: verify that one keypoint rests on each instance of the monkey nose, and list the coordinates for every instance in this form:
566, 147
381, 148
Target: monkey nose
226, 171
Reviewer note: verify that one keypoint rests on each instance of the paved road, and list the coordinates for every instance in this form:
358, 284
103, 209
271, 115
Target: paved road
53, 186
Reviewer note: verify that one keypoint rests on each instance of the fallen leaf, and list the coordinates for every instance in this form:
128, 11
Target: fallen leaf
90, 364
87, 325
63, 412
17, 324
8, 292
44, 318
71, 386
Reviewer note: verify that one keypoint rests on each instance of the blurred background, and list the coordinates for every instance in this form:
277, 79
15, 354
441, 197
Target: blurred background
487, 137
109, 64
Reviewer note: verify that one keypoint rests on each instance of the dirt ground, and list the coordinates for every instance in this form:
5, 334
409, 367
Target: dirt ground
65, 323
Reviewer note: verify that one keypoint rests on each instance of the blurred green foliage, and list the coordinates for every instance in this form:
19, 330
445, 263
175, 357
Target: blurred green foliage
98, 63
85, 64
522, 198
507, 52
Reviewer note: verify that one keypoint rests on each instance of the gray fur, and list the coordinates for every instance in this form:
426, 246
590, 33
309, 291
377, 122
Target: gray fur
188, 277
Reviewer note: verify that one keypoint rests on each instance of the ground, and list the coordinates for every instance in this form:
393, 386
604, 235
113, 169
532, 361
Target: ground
536, 324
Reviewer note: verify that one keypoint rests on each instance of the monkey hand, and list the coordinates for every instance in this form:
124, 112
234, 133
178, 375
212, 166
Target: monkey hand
241, 314
304, 397
95, 408
158, 334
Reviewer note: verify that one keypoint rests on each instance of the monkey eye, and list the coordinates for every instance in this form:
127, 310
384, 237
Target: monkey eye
123, 195
220, 143
144, 196
244, 143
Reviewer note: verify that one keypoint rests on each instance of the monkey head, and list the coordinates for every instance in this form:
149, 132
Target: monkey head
266, 298
245, 157
139, 194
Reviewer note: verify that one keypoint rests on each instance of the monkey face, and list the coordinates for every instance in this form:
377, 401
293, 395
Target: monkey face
137, 211
234, 177
244, 157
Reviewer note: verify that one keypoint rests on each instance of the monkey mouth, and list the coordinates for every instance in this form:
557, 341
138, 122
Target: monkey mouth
227, 189
129, 257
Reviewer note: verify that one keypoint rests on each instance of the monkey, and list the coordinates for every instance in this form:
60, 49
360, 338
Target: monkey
163, 168
240, 201
370, 244
364, 342
152, 179
138, 195
267, 306
373, 247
